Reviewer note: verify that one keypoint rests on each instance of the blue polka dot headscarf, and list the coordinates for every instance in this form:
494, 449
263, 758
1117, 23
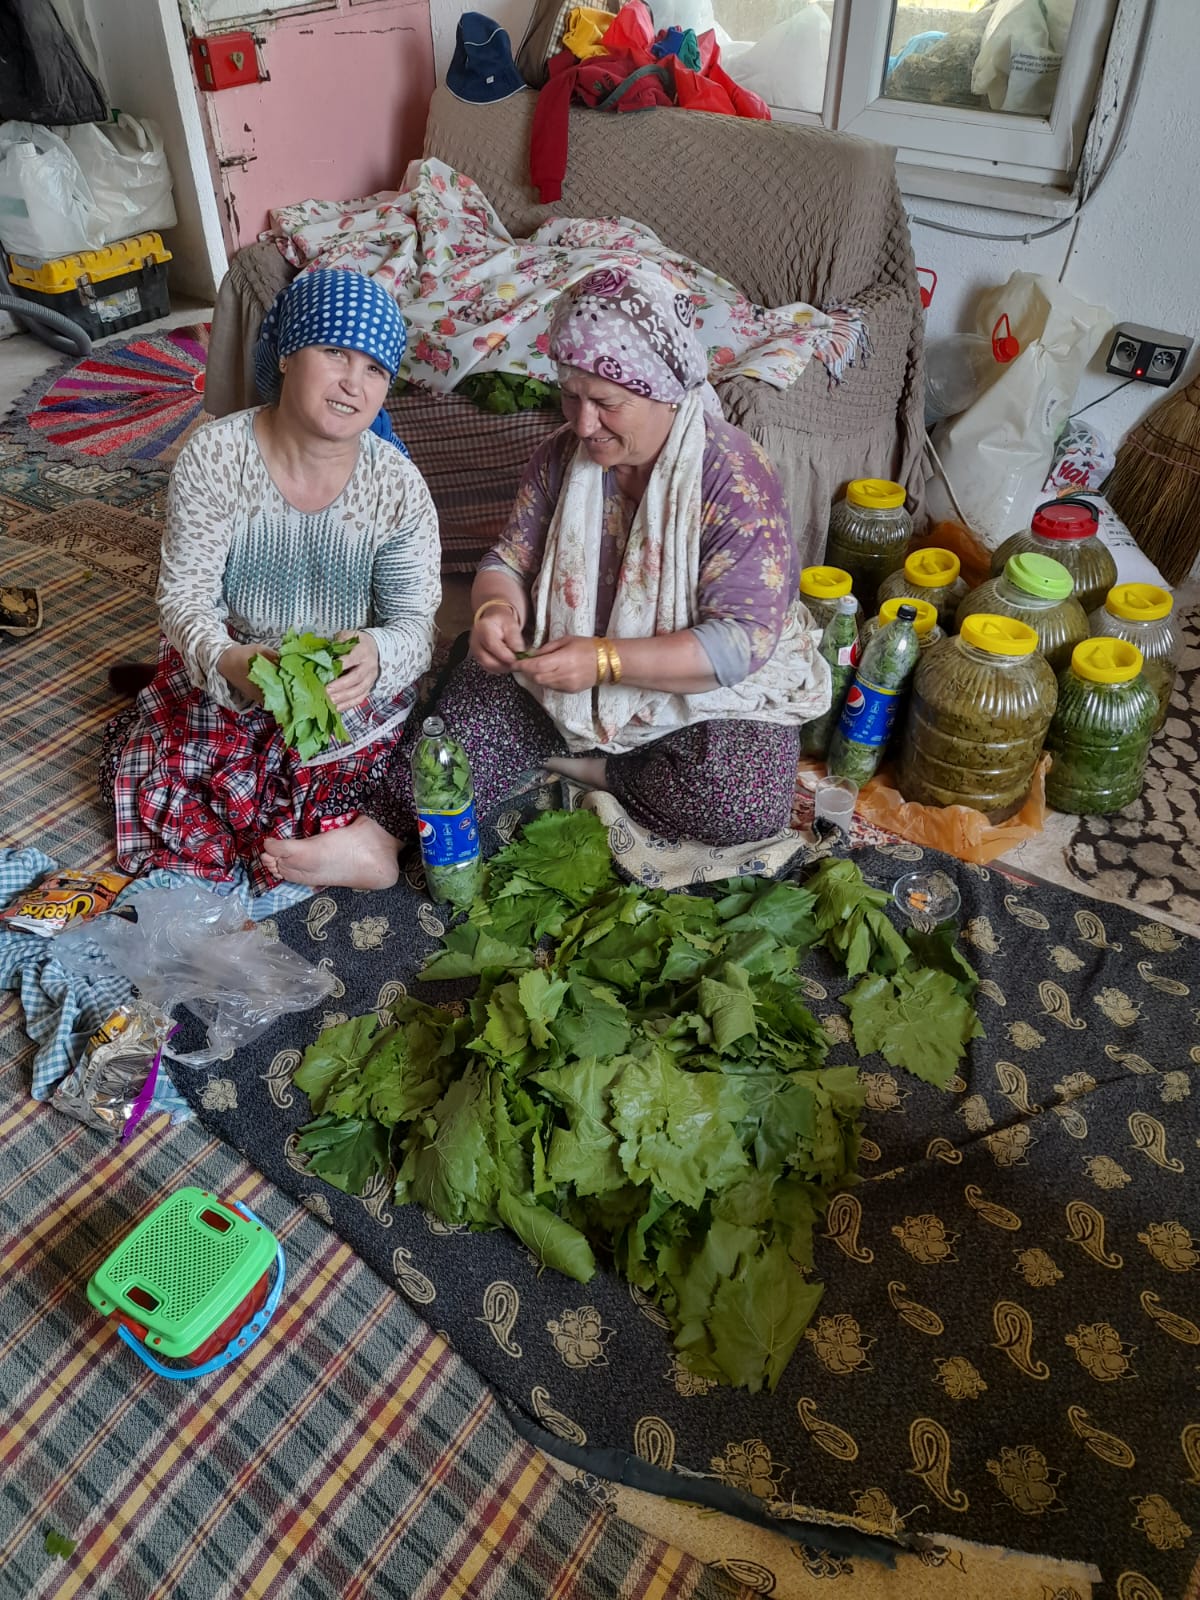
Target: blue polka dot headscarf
344, 309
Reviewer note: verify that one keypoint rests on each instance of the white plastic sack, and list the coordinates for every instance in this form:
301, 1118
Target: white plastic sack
126, 167
1019, 60
998, 451
787, 65
46, 203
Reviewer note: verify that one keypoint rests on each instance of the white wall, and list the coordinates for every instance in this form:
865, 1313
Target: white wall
1134, 249
146, 71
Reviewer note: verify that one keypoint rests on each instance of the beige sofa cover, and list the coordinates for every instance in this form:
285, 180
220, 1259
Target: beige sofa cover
785, 212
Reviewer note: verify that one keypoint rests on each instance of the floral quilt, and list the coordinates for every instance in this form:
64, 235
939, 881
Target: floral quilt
477, 300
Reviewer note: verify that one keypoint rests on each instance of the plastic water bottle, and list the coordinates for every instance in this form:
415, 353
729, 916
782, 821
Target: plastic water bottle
444, 798
839, 646
959, 369
874, 698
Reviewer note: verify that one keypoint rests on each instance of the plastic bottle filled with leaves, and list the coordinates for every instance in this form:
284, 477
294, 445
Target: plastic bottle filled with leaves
444, 797
874, 699
839, 646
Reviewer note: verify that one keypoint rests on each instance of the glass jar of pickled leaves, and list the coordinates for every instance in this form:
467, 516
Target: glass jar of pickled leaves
925, 623
931, 575
869, 530
981, 705
820, 590
1101, 731
1141, 613
1040, 591
1066, 530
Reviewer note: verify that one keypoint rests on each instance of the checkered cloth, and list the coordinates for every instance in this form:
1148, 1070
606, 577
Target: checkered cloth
473, 463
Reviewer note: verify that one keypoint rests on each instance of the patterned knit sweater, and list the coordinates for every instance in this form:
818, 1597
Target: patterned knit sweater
240, 564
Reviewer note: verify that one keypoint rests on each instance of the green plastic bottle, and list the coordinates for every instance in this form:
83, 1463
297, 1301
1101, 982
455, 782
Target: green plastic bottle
839, 646
874, 698
444, 799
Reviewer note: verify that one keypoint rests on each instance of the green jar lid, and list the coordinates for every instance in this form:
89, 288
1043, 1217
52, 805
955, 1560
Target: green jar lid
1039, 575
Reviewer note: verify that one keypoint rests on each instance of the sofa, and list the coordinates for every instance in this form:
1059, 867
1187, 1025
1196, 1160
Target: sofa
786, 212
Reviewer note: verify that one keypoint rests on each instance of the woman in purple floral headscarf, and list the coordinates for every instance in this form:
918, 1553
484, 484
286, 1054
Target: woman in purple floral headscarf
636, 626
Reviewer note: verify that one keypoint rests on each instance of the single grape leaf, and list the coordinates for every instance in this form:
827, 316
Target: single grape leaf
346, 1151
759, 1317
554, 1242
916, 1020
336, 1055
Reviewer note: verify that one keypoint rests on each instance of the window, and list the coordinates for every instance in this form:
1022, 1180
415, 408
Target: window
997, 89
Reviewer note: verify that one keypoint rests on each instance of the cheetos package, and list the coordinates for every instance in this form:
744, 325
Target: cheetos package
60, 899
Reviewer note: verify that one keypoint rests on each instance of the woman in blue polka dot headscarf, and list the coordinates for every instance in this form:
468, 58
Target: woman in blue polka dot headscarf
296, 515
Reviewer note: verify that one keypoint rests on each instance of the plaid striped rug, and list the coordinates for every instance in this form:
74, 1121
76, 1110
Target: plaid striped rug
350, 1453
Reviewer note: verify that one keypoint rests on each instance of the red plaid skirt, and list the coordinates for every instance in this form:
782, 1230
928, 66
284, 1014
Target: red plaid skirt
199, 789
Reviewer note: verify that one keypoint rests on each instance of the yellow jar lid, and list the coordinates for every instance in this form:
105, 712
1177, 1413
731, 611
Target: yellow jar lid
825, 583
926, 617
932, 568
1139, 602
875, 494
1001, 636
1106, 660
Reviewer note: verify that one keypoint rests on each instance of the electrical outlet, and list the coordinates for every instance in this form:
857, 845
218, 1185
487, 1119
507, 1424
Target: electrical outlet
1147, 355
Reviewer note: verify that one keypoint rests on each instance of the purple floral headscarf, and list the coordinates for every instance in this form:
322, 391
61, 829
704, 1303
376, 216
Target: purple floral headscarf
632, 329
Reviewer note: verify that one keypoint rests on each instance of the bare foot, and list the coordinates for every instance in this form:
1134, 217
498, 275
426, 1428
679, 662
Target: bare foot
583, 769
362, 856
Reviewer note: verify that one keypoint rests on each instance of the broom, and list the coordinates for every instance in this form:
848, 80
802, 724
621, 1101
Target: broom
1155, 486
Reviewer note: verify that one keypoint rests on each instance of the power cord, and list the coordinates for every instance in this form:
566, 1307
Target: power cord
1107, 395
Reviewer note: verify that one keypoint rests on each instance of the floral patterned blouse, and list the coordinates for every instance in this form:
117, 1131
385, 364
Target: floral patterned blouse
748, 562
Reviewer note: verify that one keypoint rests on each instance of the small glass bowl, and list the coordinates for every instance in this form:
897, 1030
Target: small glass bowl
927, 898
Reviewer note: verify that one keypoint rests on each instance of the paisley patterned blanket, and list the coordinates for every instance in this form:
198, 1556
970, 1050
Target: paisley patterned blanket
1007, 1348
476, 299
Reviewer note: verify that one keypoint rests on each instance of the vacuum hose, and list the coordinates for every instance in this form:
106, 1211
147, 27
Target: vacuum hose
50, 326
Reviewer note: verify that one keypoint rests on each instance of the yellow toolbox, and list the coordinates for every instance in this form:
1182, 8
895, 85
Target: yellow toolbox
118, 286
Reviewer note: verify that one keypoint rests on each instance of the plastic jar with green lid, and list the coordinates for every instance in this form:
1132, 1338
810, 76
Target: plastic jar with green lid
931, 575
869, 530
820, 590
1040, 591
1066, 530
981, 704
925, 623
1101, 731
1142, 614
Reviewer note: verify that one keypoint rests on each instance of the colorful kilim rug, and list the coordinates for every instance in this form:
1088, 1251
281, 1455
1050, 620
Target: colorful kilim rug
132, 402
1007, 1345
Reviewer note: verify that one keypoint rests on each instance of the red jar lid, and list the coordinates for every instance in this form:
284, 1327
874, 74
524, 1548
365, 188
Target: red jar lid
1064, 521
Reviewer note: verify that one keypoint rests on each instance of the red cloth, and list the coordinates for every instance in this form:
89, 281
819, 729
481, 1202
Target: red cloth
627, 49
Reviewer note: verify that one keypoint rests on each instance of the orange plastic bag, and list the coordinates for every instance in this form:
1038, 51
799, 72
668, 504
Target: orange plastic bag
958, 830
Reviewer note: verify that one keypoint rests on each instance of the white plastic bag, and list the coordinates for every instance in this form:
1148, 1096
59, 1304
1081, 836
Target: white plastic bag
125, 165
46, 203
997, 453
1019, 60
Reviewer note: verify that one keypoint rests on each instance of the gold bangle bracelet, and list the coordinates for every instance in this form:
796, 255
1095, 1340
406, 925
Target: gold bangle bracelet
601, 663
614, 660
496, 600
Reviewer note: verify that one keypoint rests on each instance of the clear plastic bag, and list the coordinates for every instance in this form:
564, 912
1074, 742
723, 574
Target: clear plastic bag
193, 948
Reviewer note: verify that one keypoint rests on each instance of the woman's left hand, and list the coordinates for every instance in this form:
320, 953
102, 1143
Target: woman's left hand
567, 665
360, 669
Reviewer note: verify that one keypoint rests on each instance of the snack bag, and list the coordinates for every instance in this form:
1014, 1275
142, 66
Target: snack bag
61, 898
117, 1079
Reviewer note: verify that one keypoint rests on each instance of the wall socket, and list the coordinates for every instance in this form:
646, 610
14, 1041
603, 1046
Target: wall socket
1147, 355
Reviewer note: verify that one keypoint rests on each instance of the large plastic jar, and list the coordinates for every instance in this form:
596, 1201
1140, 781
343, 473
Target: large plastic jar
1101, 731
869, 531
1066, 531
1141, 613
926, 622
1040, 591
820, 590
981, 705
931, 575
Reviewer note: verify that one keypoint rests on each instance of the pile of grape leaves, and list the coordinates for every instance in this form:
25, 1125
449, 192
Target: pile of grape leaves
293, 690
637, 1076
